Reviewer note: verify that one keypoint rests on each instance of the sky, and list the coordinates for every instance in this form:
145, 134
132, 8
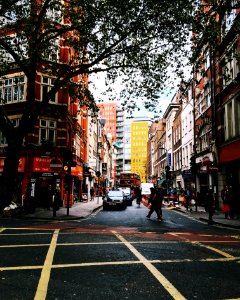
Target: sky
99, 86
164, 101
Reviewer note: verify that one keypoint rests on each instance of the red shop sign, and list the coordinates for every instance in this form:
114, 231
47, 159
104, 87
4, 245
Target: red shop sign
41, 164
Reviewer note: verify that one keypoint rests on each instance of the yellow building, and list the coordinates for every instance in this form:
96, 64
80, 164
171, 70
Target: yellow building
139, 140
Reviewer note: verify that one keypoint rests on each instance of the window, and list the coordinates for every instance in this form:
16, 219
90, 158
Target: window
229, 18
190, 120
230, 65
12, 89
232, 118
204, 137
47, 131
47, 84
207, 96
52, 51
199, 105
207, 60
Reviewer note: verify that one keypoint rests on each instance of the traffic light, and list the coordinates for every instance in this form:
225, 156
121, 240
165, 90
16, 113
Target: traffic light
193, 165
68, 161
66, 166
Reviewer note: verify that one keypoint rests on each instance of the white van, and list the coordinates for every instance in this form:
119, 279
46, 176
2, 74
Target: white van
145, 189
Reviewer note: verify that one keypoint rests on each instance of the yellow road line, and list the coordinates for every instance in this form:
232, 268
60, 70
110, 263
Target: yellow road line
27, 245
225, 254
158, 275
2, 229
128, 262
31, 228
35, 233
41, 292
108, 243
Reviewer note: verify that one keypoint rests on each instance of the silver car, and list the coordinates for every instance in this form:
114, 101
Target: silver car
114, 199
127, 195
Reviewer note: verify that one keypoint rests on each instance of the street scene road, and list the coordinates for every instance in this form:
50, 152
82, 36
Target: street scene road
119, 255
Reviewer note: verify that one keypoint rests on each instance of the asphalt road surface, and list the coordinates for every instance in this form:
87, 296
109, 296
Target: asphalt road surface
119, 255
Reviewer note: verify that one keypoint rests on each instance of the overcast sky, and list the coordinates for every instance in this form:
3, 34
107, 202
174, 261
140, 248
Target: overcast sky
98, 87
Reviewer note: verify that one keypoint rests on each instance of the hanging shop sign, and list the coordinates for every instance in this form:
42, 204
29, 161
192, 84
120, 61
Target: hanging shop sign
77, 171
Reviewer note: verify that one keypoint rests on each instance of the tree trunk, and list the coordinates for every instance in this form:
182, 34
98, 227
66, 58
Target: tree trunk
8, 180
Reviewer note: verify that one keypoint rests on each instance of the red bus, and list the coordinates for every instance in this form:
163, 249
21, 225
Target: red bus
128, 179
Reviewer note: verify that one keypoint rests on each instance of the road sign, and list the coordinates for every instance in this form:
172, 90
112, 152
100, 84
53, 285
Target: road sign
56, 165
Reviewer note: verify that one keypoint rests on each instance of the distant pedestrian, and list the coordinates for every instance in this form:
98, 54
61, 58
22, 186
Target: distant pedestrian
138, 195
187, 196
210, 205
29, 204
92, 193
226, 201
56, 199
155, 202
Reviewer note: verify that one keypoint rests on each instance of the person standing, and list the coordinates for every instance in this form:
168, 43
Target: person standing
56, 201
210, 205
91, 193
155, 203
226, 201
188, 197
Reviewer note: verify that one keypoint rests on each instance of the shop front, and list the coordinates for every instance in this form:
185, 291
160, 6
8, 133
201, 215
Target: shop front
47, 174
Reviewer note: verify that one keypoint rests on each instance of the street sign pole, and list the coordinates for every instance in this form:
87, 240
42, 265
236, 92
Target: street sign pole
69, 189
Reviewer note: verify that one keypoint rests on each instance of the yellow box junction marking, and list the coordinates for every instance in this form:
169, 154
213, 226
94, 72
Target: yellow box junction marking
46, 270
158, 275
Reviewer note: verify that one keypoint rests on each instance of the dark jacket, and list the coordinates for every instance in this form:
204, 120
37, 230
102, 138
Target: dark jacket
155, 198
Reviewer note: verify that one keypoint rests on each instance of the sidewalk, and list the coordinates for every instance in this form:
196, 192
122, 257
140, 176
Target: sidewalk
79, 210
218, 217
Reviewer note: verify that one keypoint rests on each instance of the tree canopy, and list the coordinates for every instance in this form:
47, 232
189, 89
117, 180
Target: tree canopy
142, 43
138, 41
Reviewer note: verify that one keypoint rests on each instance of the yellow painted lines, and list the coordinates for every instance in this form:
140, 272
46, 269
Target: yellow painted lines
157, 274
127, 262
27, 245
35, 233
2, 229
224, 254
46, 270
18, 268
31, 228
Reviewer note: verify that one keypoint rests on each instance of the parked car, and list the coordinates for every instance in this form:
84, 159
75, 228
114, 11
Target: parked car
127, 195
114, 199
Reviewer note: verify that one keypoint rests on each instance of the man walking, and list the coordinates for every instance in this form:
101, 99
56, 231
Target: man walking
138, 195
155, 201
